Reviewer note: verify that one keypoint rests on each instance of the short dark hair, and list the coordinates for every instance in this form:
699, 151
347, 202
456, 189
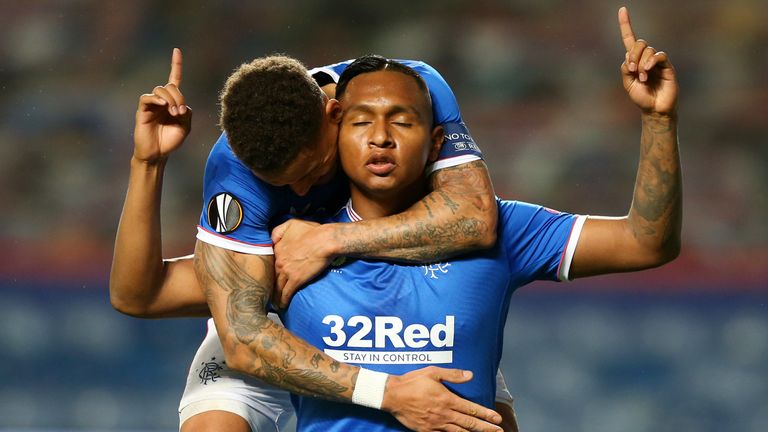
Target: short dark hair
374, 63
271, 109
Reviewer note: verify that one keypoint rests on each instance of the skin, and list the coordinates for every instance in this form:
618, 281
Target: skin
648, 236
384, 147
237, 287
385, 141
651, 229
427, 231
216, 421
386, 138
141, 283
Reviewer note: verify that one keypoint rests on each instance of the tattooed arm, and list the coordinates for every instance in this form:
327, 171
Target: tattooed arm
649, 235
458, 216
238, 287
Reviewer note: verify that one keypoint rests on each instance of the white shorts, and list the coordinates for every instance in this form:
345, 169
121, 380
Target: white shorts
211, 385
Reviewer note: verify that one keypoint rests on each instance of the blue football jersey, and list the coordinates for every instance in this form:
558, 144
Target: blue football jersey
397, 318
240, 209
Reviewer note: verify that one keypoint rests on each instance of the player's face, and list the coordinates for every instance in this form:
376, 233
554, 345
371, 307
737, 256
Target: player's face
315, 165
386, 135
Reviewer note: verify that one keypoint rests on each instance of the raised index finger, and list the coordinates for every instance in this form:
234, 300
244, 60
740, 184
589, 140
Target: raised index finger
175, 75
627, 35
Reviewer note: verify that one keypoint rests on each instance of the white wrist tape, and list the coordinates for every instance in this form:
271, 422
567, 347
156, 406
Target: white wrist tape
369, 389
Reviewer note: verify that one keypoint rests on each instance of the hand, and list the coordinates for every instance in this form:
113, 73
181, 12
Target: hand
648, 76
421, 402
163, 119
301, 253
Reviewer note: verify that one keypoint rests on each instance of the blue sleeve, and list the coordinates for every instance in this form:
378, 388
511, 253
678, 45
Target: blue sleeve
539, 242
238, 206
458, 146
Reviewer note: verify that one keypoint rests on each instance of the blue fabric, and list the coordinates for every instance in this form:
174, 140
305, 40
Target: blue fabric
397, 318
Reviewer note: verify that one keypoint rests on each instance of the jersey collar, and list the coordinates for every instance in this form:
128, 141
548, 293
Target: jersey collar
351, 213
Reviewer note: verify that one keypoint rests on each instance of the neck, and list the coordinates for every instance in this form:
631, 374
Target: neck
377, 204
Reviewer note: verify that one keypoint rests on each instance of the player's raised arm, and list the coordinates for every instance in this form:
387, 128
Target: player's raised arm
141, 283
649, 235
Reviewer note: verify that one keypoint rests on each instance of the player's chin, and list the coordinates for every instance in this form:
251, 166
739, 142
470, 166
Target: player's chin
381, 184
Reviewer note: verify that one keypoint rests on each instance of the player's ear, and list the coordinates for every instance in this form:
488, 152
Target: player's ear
333, 110
436, 142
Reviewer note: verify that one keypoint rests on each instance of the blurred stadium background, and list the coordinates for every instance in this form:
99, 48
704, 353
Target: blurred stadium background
684, 347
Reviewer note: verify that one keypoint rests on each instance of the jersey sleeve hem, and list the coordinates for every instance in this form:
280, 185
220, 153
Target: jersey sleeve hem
451, 162
231, 244
570, 248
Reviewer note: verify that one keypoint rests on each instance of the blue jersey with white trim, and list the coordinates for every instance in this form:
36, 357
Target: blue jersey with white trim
241, 209
397, 318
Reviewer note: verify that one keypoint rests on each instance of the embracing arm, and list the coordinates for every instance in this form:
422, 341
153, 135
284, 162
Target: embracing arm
238, 288
459, 215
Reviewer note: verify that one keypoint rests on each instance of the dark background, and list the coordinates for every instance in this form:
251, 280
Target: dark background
684, 347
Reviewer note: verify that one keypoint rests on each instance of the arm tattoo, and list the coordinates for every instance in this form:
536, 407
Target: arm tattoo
276, 356
430, 241
450, 220
472, 175
247, 299
658, 189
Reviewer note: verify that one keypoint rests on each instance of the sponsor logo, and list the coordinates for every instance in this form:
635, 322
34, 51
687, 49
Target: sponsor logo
360, 331
433, 270
391, 357
209, 371
293, 211
224, 213
336, 263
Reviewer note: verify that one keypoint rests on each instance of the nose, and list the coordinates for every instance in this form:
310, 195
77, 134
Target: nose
380, 136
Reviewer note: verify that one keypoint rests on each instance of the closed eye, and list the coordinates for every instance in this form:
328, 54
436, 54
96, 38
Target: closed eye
402, 124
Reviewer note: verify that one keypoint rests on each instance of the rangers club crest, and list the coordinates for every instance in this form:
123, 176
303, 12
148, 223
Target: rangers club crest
224, 213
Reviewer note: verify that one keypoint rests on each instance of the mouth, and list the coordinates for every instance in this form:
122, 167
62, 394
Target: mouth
380, 164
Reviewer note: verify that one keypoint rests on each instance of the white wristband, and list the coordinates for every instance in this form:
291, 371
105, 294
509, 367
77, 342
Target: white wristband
369, 388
